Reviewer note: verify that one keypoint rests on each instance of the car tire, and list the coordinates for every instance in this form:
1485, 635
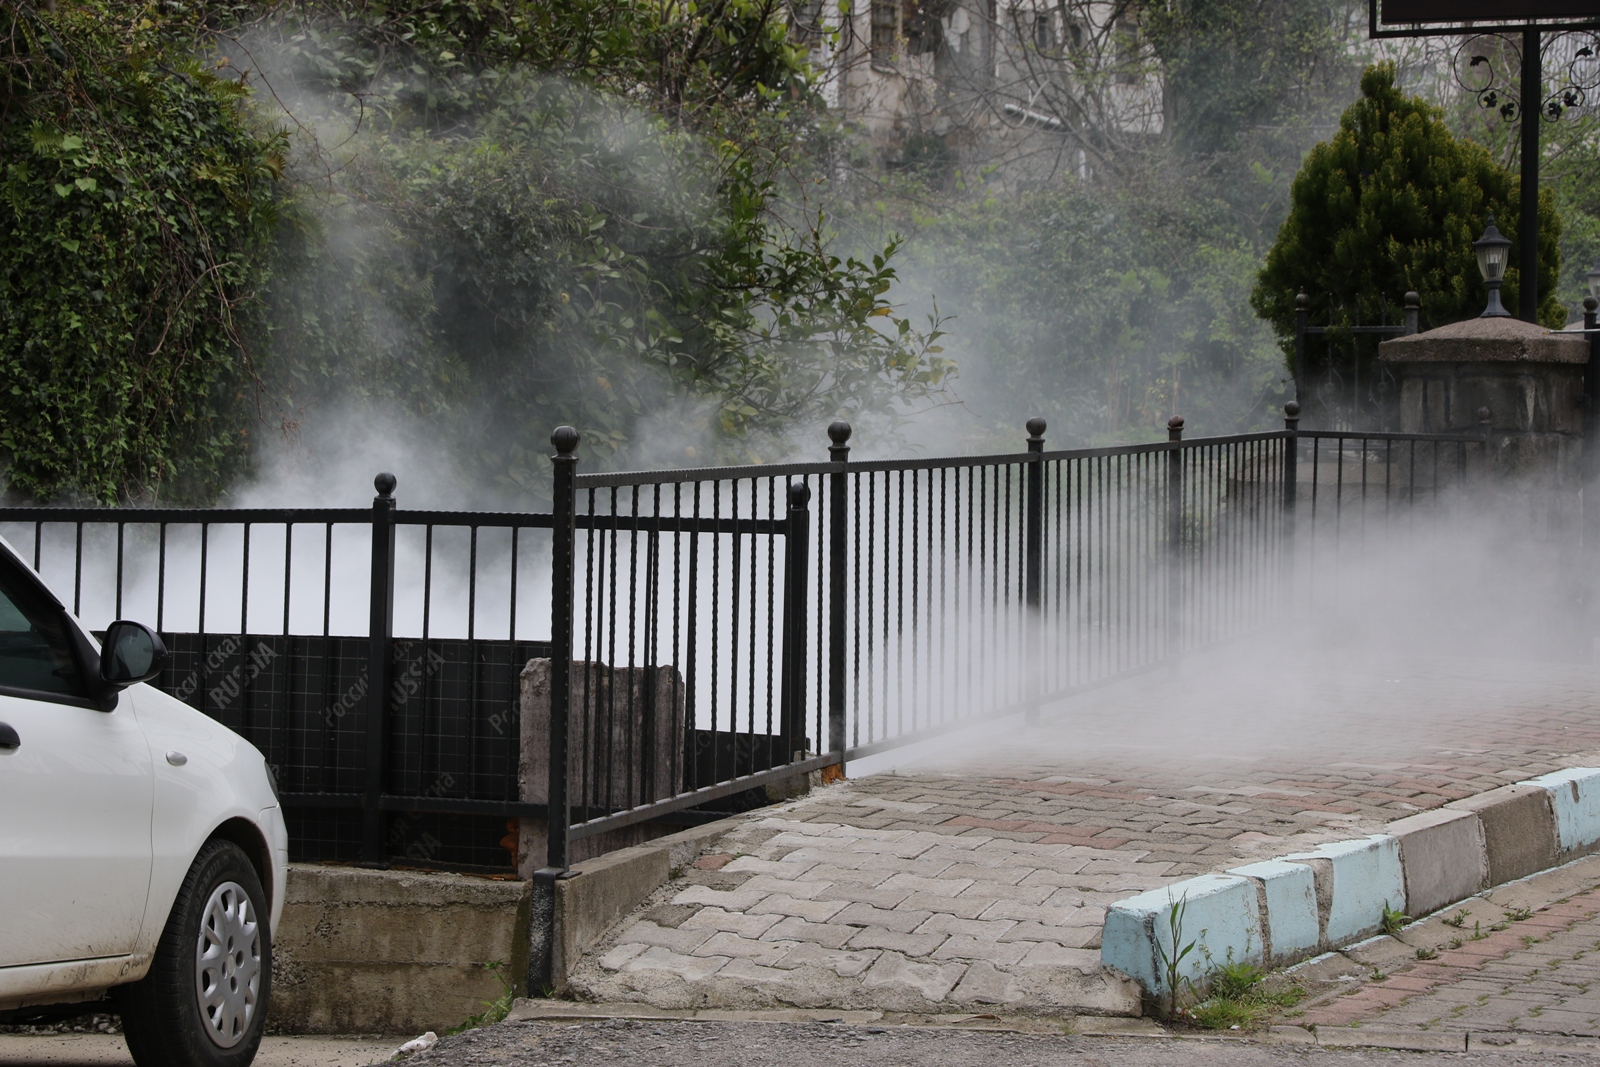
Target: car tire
204, 1002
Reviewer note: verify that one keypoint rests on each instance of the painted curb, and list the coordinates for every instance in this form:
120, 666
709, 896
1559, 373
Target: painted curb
1519, 830
1575, 796
1366, 879
1282, 910
1291, 928
1442, 857
1217, 910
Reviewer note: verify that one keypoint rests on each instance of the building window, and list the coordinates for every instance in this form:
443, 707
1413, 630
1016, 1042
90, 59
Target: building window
1127, 32
805, 22
884, 29
1044, 32
922, 26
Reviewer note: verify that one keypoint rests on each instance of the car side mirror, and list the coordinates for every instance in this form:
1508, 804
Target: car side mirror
131, 653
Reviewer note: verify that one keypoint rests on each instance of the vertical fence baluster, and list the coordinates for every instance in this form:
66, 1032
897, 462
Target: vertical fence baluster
794, 621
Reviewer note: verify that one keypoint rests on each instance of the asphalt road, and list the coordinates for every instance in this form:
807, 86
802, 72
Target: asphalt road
706, 1044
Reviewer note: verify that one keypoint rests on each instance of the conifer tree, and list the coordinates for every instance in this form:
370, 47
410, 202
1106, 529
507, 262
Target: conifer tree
1392, 204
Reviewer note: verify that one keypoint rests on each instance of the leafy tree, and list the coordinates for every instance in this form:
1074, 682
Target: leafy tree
496, 215
1392, 204
498, 250
136, 202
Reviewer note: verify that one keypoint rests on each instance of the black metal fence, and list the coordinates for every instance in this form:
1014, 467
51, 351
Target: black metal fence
709, 633
792, 617
274, 618
1338, 380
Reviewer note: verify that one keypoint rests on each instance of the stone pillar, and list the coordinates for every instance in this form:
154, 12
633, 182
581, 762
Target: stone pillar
1531, 382
1503, 558
637, 716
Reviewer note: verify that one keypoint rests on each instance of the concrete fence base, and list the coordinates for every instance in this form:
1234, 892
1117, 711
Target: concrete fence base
395, 952
1283, 910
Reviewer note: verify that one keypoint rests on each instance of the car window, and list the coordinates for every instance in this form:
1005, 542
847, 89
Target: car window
35, 651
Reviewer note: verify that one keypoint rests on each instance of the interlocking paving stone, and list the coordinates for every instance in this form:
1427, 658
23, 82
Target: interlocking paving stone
1032, 832
1501, 983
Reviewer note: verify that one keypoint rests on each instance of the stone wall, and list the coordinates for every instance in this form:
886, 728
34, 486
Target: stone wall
1529, 380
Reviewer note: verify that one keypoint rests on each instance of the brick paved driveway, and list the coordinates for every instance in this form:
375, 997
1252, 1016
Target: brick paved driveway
978, 874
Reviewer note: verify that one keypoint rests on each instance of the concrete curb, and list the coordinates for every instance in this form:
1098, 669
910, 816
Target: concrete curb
597, 893
1282, 910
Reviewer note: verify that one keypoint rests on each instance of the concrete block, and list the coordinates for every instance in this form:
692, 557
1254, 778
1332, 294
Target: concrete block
1442, 856
392, 951
1219, 917
1575, 799
1364, 877
1289, 893
1519, 829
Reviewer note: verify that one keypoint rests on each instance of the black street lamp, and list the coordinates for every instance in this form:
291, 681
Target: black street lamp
1493, 249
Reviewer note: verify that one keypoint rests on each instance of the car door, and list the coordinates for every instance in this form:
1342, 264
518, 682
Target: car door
76, 789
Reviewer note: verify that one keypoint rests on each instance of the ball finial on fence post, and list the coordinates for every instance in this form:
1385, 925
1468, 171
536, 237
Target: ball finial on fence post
839, 434
1036, 427
384, 484
1175, 428
565, 438
799, 495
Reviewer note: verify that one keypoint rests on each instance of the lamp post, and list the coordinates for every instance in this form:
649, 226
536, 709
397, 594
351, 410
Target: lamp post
1492, 250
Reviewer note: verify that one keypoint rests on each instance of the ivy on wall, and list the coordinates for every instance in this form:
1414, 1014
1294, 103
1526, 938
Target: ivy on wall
136, 204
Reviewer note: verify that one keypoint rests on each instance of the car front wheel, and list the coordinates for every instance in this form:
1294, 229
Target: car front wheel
204, 1002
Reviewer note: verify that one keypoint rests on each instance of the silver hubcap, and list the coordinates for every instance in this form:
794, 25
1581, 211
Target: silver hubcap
227, 965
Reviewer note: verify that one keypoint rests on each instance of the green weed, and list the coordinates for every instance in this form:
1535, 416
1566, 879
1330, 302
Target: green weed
1239, 998
495, 1010
1171, 964
1393, 919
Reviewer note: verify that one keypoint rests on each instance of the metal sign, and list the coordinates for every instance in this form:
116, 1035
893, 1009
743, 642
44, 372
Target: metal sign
1435, 18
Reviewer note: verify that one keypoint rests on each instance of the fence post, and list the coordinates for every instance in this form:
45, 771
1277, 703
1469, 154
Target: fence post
1302, 321
558, 807
1174, 538
1291, 495
795, 586
380, 633
1035, 565
1413, 312
563, 538
838, 489
1591, 429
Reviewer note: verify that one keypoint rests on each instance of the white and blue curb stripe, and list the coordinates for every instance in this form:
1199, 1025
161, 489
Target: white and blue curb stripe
1278, 911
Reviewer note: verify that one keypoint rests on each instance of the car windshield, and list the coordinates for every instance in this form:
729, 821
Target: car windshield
34, 649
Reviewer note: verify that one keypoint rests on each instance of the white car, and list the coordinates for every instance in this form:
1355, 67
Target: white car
142, 845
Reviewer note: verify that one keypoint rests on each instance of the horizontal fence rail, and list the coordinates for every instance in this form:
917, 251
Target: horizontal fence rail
662, 644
